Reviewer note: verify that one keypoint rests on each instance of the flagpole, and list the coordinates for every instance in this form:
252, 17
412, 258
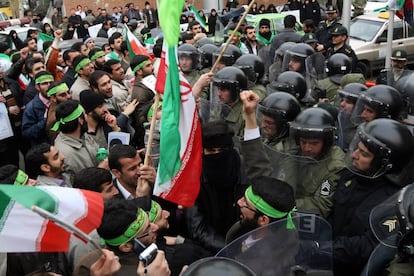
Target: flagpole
68, 227
226, 45
143, 187
151, 131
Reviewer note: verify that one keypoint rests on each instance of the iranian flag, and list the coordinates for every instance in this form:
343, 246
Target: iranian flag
134, 45
22, 230
42, 38
198, 17
179, 169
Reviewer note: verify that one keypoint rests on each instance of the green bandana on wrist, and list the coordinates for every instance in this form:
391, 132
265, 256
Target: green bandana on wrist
59, 88
268, 210
72, 116
82, 63
139, 66
44, 78
97, 55
133, 229
21, 179
155, 211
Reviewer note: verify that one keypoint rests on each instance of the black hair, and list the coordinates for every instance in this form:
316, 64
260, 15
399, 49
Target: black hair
77, 46
120, 151
35, 157
95, 76
114, 36
289, 21
107, 67
8, 174
66, 53
30, 62
276, 193
63, 110
91, 179
118, 215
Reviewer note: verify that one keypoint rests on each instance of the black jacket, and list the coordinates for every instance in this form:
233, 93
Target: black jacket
354, 198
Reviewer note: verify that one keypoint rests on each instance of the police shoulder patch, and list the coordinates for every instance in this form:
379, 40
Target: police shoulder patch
325, 188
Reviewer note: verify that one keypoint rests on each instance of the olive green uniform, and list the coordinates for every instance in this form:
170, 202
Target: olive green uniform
235, 119
316, 181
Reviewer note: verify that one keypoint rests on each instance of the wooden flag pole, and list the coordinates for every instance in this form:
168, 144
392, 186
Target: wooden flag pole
226, 45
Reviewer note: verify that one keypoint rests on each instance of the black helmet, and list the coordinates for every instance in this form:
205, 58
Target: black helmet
206, 55
252, 66
290, 82
405, 86
298, 53
280, 52
282, 107
188, 50
390, 141
337, 66
231, 78
384, 100
352, 91
229, 57
217, 266
314, 122
204, 41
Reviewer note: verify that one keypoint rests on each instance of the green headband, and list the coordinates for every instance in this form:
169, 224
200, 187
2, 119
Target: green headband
59, 88
139, 66
133, 229
44, 78
154, 211
97, 55
72, 116
237, 33
15, 53
82, 63
21, 178
268, 210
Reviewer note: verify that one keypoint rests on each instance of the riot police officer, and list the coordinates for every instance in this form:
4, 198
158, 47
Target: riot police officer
206, 57
229, 57
253, 67
313, 170
230, 81
379, 101
337, 66
384, 148
188, 60
277, 110
348, 95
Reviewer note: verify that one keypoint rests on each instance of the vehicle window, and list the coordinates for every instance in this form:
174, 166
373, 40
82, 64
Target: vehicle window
398, 31
364, 30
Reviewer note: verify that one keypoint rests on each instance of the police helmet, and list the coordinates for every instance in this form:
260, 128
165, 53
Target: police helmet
282, 107
252, 66
231, 78
204, 41
290, 82
384, 100
188, 50
229, 57
337, 66
391, 142
352, 91
314, 123
206, 55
